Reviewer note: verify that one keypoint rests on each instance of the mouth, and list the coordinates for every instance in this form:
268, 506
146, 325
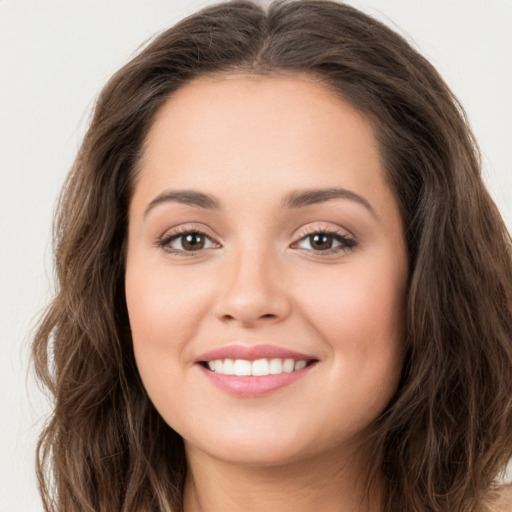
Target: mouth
256, 368
253, 371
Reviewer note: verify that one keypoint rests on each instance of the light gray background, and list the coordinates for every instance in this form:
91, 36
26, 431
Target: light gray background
54, 57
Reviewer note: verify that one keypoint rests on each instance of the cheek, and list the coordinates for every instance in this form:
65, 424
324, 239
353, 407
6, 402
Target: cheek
361, 315
163, 308
358, 307
164, 312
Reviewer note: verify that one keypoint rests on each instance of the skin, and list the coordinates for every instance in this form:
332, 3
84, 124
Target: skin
250, 141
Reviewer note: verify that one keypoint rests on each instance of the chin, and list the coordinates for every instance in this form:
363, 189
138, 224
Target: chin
267, 447
254, 454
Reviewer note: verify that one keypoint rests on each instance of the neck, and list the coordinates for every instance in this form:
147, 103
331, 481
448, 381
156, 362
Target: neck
323, 484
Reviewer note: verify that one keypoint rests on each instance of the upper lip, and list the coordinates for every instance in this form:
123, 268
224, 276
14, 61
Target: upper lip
252, 353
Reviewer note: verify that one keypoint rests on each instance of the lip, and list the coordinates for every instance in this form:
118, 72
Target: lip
252, 353
253, 386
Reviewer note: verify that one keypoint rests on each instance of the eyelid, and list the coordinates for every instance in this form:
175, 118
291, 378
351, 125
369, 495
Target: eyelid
347, 240
323, 228
178, 231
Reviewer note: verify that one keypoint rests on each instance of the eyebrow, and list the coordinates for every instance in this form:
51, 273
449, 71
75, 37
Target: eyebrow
293, 200
301, 198
189, 197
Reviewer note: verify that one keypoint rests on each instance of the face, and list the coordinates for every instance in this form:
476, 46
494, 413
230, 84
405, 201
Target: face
266, 270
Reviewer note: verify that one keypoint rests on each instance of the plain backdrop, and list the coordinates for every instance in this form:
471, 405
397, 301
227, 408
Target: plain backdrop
55, 55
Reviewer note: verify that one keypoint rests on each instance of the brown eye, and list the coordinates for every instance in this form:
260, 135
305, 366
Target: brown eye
321, 241
326, 242
193, 241
189, 241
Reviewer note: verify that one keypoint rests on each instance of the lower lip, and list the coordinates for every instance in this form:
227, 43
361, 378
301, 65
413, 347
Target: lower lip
251, 386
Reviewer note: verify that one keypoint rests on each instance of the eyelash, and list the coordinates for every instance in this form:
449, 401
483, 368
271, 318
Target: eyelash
346, 243
167, 238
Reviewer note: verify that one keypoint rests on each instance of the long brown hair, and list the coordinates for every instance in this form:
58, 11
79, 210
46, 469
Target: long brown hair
447, 433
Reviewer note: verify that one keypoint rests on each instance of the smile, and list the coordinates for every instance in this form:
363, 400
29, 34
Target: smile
257, 368
254, 370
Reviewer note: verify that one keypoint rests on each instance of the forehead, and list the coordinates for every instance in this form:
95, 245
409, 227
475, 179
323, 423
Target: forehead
238, 119
219, 103
247, 139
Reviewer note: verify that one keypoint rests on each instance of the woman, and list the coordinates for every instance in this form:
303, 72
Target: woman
283, 285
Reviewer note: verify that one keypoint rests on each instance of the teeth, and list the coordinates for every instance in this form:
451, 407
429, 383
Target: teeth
288, 365
276, 366
299, 365
242, 367
260, 367
228, 367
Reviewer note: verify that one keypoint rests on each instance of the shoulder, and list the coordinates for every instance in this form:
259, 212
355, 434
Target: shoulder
500, 499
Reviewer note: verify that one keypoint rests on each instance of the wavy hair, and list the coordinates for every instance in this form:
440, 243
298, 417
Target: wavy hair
447, 433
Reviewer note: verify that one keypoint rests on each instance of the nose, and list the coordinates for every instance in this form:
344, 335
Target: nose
252, 290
